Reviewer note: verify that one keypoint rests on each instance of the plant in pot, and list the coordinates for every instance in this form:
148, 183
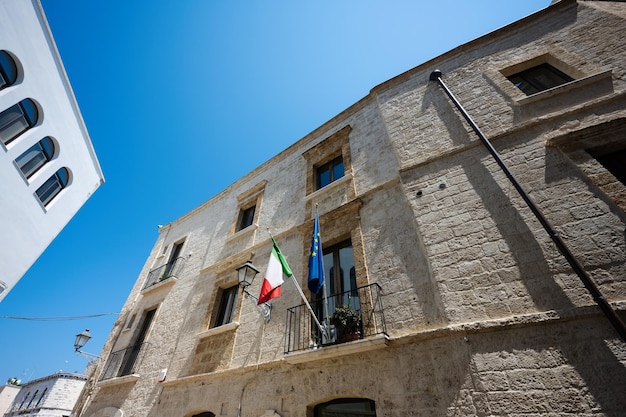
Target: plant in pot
347, 321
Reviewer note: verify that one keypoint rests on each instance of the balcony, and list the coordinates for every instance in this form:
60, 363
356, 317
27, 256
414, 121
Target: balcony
365, 303
170, 270
124, 362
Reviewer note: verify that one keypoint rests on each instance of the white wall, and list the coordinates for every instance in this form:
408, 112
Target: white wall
27, 227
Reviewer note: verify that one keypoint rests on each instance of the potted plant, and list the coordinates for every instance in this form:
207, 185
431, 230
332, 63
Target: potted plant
347, 321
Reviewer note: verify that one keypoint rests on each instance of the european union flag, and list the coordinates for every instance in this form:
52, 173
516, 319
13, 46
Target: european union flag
316, 260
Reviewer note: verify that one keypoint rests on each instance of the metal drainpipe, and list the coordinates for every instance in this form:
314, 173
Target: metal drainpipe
591, 286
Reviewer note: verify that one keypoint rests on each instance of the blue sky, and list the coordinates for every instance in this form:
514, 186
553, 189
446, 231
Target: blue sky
182, 98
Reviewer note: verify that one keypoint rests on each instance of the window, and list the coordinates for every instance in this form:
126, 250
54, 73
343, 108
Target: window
53, 186
131, 354
32, 398
346, 407
340, 276
329, 172
228, 302
42, 395
539, 78
613, 162
176, 250
246, 218
35, 157
17, 119
8, 70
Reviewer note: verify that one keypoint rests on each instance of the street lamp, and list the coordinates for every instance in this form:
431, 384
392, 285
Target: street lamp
81, 339
245, 275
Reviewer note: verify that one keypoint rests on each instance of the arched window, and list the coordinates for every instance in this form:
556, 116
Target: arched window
352, 407
53, 186
8, 70
205, 414
35, 157
17, 119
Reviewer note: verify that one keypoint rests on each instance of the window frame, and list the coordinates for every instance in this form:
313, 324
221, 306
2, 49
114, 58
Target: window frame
227, 307
532, 80
38, 155
330, 168
26, 111
7, 79
246, 217
318, 410
53, 186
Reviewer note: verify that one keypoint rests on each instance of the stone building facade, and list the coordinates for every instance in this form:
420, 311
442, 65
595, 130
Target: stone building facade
50, 396
466, 306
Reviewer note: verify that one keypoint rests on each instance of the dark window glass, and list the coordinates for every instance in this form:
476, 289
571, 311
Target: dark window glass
246, 218
330, 172
41, 398
35, 157
176, 250
340, 279
131, 354
539, 78
17, 119
614, 162
53, 186
346, 407
228, 302
8, 70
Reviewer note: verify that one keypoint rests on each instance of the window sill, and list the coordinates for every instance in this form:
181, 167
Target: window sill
334, 351
243, 232
329, 188
126, 379
160, 286
565, 88
230, 327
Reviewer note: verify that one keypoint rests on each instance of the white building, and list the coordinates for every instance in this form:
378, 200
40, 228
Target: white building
50, 396
48, 167
8, 393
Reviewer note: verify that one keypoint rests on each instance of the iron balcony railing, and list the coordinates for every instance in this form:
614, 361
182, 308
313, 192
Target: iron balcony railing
164, 272
362, 303
124, 362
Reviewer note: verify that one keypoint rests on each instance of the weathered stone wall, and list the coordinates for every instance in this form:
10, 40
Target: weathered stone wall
483, 314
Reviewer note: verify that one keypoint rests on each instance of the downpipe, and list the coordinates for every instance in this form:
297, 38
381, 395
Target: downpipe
587, 281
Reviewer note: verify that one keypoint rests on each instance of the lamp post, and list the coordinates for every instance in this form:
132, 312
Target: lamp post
82, 338
245, 275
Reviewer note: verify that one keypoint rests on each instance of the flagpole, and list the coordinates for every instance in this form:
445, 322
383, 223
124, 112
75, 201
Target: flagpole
319, 325
322, 329
325, 294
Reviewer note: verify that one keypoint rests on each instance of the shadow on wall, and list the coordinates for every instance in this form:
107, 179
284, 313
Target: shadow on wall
536, 275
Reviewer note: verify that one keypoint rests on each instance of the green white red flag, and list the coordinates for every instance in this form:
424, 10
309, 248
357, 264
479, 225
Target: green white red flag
276, 268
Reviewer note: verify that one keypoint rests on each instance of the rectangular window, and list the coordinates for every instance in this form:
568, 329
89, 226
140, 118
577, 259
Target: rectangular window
246, 218
173, 261
329, 172
340, 277
613, 162
228, 303
132, 353
539, 78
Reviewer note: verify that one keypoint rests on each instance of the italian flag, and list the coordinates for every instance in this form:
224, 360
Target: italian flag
276, 267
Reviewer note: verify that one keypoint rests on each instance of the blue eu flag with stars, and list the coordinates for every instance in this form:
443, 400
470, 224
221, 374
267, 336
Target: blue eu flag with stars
316, 261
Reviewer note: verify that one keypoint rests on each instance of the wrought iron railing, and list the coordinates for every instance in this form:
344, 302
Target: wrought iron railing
124, 362
170, 270
366, 305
